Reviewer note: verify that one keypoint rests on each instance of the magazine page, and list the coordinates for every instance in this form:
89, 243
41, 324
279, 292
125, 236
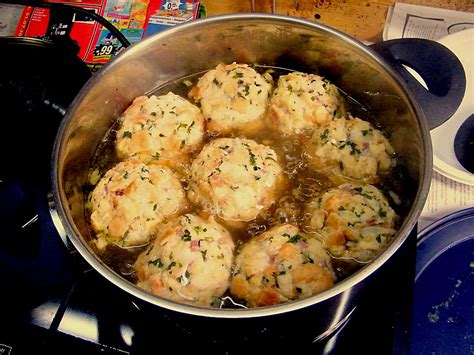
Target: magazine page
413, 21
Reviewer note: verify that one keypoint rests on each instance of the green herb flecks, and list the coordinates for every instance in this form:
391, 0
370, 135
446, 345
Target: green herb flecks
157, 262
190, 126
295, 239
186, 236
307, 259
324, 136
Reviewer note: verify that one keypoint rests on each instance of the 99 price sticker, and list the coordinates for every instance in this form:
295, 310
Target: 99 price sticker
105, 50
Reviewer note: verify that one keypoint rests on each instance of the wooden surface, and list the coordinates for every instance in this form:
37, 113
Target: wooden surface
361, 19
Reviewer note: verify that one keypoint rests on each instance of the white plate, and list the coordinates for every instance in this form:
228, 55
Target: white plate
444, 159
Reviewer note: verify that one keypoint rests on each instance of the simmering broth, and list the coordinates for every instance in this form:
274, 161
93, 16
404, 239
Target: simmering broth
303, 183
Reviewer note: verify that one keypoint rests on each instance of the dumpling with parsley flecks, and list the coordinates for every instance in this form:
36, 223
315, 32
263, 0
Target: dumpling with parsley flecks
349, 149
354, 221
235, 178
163, 129
131, 199
302, 102
279, 265
189, 261
233, 97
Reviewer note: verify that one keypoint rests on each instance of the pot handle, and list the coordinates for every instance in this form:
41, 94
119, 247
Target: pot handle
80, 265
57, 223
441, 70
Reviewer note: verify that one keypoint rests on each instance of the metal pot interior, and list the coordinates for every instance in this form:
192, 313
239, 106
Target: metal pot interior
254, 39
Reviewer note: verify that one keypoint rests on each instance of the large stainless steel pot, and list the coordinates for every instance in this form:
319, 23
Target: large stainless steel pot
276, 41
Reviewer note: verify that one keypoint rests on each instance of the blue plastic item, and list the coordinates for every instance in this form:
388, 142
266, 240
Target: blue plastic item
443, 309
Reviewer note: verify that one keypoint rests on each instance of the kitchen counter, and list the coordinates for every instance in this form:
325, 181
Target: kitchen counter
363, 20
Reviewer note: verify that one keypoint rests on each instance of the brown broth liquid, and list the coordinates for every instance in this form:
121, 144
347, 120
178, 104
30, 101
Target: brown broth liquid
303, 185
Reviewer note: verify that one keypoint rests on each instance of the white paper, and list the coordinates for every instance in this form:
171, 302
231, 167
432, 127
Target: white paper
445, 197
413, 21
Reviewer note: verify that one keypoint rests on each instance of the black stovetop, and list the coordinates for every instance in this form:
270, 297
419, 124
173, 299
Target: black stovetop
52, 302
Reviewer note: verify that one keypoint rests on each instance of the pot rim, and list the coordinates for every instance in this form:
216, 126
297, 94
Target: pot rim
73, 235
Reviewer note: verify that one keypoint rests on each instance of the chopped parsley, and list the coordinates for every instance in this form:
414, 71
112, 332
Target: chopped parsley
294, 239
307, 259
190, 126
324, 136
252, 159
354, 149
216, 82
186, 236
127, 134
363, 193
352, 145
157, 262
173, 264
